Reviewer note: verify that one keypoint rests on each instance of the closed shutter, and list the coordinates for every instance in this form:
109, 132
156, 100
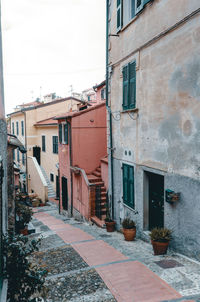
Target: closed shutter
60, 133
119, 14
132, 8
139, 4
132, 85
17, 128
125, 183
66, 133
125, 87
22, 128
131, 201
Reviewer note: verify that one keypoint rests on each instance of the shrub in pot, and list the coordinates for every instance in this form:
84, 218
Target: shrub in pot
160, 238
23, 217
129, 229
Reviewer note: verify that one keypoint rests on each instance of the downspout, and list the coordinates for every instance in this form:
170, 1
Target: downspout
110, 113
27, 151
70, 158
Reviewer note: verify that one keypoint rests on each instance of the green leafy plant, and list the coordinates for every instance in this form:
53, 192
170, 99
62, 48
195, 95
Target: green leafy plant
160, 234
24, 279
128, 223
24, 213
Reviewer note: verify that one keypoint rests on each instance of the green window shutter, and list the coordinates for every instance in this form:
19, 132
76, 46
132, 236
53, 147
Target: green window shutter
125, 183
22, 128
60, 133
146, 1
43, 143
132, 8
119, 14
17, 128
132, 85
139, 4
66, 133
131, 199
125, 87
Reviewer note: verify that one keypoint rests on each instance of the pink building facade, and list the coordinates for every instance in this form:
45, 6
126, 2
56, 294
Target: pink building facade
82, 152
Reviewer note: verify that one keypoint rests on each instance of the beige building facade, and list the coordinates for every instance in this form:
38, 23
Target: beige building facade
154, 100
29, 124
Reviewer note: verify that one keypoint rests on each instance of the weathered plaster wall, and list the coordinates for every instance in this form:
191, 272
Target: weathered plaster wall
37, 182
89, 138
163, 137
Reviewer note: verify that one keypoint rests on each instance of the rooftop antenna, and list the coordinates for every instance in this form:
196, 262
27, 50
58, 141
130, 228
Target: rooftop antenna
40, 93
71, 92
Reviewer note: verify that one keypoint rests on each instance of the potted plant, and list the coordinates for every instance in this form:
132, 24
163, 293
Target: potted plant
129, 229
160, 238
23, 217
109, 222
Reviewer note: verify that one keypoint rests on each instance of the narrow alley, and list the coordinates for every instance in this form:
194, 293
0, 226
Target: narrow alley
85, 263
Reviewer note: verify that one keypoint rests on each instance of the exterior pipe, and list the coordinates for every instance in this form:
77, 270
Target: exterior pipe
71, 174
26, 152
110, 114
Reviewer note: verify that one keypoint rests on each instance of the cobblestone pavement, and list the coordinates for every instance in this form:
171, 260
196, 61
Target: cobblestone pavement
74, 278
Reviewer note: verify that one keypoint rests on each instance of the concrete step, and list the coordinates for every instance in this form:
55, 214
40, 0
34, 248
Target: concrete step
98, 169
98, 222
97, 174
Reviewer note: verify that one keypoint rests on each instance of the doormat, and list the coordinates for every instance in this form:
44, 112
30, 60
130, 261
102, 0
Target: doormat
168, 263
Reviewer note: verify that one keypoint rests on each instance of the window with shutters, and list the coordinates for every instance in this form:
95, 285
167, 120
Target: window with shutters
65, 134
128, 185
22, 128
129, 86
18, 155
127, 10
51, 177
60, 133
43, 143
55, 144
23, 158
13, 128
17, 128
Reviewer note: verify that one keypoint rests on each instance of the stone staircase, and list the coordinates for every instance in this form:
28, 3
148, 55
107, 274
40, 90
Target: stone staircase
51, 193
100, 215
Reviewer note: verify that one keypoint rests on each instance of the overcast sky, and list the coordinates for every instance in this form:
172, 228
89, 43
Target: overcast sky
51, 44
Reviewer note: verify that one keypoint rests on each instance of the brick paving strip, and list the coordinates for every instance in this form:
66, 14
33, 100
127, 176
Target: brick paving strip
128, 281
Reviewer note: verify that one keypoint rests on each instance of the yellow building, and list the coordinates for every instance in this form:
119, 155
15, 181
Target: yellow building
32, 123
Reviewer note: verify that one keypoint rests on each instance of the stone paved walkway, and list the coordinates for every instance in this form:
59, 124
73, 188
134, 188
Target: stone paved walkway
129, 270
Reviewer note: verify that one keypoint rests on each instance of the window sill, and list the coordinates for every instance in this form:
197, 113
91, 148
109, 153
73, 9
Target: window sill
130, 110
125, 205
128, 24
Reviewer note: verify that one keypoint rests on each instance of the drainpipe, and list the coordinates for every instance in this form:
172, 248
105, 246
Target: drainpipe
27, 151
110, 114
70, 157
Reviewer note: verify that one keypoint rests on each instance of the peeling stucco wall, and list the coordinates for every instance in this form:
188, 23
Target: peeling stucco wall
163, 136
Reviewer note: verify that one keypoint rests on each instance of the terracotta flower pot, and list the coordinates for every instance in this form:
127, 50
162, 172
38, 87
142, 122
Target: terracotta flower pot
129, 234
160, 248
24, 231
110, 226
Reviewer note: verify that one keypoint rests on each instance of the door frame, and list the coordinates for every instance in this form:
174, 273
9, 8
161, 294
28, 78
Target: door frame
146, 195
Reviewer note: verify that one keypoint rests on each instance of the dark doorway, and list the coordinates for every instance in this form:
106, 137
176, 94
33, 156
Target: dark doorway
57, 187
64, 193
156, 200
36, 153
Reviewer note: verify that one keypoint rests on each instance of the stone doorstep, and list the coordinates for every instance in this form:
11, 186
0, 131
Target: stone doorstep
100, 223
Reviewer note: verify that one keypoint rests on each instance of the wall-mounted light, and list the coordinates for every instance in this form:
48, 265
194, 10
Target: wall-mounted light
171, 196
